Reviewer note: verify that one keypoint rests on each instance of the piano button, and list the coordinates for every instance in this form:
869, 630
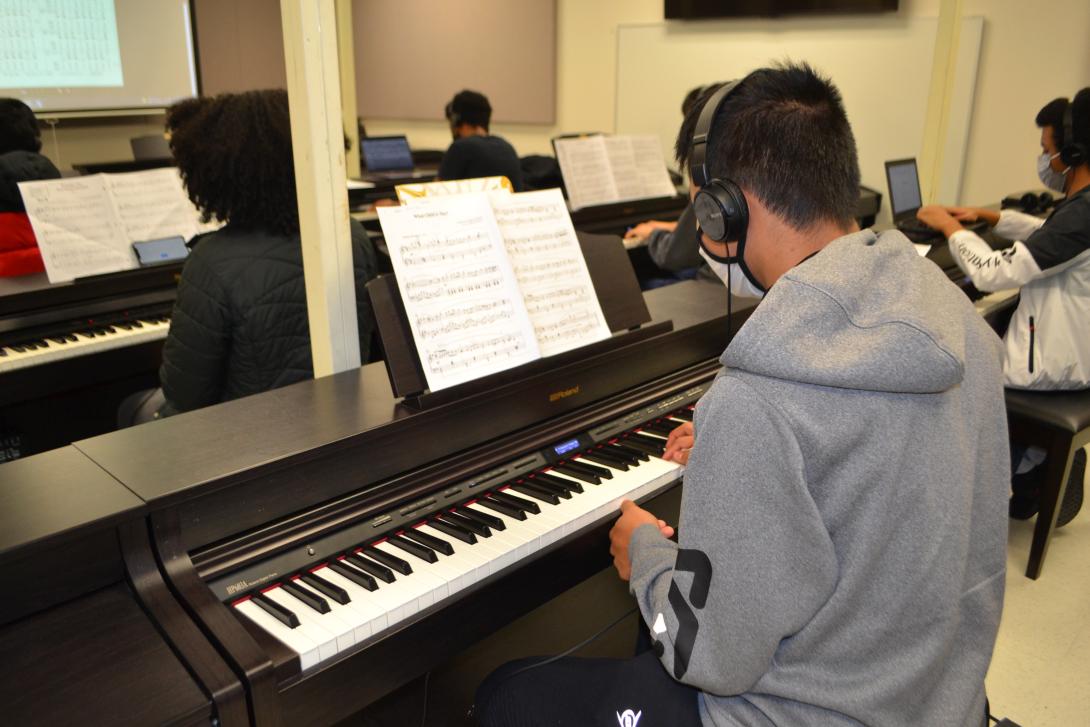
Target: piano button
389, 560
578, 473
361, 579
367, 565
482, 517
474, 526
422, 552
503, 508
603, 458
536, 492
439, 545
294, 638
516, 501
328, 633
325, 587
566, 484
636, 455
274, 609
453, 531
549, 487
305, 595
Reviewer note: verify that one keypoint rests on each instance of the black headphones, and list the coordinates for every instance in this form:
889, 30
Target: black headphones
1072, 153
719, 206
453, 116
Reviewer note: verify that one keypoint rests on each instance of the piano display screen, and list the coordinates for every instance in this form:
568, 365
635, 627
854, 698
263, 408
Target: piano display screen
565, 447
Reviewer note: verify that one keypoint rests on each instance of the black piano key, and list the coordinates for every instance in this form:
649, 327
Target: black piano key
644, 446
636, 455
19, 348
422, 552
305, 595
72, 337
537, 492
548, 487
58, 339
484, 518
358, 577
608, 460
388, 560
3, 351
660, 427
429, 541
367, 565
502, 508
578, 473
330, 590
137, 324
467, 523
563, 482
125, 326
274, 609
515, 501
454, 531
686, 414
591, 469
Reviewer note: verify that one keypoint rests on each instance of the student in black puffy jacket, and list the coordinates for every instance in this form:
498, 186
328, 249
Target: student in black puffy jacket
240, 323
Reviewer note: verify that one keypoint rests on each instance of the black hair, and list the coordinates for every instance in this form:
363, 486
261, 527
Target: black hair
234, 154
469, 107
1052, 115
692, 97
18, 127
783, 135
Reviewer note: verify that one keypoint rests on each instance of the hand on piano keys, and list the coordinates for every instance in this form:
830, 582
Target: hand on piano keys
358, 594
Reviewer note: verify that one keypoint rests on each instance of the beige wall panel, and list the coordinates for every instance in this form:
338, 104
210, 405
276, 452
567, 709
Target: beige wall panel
412, 56
239, 45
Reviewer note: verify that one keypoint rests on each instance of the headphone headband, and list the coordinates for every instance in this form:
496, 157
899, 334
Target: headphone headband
698, 170
1072, 153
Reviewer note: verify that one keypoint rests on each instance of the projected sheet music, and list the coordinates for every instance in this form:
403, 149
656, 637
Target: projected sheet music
551, 272
69, 43
459, 291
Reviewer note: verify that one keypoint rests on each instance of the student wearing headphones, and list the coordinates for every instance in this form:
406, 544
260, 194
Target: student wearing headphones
1046, 346
475, 152
823, 575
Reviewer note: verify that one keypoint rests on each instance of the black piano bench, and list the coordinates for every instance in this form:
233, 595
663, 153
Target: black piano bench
1059, 422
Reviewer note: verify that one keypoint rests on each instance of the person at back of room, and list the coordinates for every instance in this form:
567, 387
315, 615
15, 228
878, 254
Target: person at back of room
240, 323
20, 161
1046, 344
475, 152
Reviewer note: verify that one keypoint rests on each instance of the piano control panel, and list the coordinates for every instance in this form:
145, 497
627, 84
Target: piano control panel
331, 595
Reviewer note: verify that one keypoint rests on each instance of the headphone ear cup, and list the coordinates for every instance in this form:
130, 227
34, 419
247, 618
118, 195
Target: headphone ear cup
721, 210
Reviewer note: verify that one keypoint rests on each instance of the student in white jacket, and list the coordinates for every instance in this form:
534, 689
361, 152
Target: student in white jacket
1046, 346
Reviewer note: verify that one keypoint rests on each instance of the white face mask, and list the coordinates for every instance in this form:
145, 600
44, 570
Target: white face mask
739, 284
1050, 177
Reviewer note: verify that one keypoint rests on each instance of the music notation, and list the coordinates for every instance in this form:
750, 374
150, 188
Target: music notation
603, 169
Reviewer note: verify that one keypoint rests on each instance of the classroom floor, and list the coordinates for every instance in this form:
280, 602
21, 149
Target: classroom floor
1040, 676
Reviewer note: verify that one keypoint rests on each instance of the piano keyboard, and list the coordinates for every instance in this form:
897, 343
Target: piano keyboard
368, 589
83, 342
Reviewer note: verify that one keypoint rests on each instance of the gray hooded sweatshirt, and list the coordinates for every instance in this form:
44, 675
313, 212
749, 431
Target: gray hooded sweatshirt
842, 540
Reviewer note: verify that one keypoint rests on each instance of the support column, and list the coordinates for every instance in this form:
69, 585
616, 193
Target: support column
346, 51
941, 91
314, 97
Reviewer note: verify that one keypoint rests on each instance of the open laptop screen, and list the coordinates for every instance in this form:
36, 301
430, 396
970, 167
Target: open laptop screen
386, 153
904, 187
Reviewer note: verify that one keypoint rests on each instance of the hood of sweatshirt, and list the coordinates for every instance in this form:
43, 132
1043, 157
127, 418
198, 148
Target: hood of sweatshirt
837, 322
21, 166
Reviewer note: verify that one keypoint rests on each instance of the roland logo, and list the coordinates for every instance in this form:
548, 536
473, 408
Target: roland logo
565, 393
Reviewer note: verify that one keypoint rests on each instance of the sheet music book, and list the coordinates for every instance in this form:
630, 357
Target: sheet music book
490, 282
603, 169
86, 225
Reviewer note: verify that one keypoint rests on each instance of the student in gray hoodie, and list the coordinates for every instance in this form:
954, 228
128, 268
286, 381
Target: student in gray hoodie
841, 549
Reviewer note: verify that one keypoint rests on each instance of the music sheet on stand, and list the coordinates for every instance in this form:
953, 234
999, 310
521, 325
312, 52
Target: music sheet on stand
459, 292
77, 229
551, 271
152, 204
585, 165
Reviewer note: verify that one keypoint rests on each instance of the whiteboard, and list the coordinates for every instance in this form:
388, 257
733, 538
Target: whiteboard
881, 66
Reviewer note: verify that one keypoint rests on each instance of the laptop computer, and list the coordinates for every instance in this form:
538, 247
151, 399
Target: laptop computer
387, 157
905, 199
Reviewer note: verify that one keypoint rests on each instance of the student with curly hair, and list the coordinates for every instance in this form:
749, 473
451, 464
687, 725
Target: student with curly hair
20, 142
240, 320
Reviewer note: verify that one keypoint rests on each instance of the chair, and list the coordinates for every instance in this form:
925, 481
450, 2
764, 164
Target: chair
1058, 422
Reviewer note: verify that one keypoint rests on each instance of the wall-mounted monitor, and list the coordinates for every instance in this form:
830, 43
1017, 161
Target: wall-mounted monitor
704, 9
97, 55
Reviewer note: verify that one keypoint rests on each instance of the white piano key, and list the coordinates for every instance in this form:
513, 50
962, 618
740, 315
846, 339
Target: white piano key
83, 345
327, 640
297, 639
370, 614
425, 589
